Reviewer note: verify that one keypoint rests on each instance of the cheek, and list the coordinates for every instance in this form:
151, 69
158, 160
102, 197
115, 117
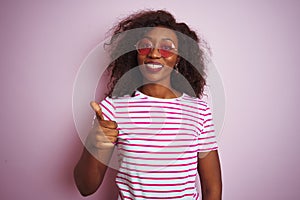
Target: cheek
171, 61
140, 59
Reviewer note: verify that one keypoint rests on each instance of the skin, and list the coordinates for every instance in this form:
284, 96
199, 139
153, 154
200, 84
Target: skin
89, 172
159, 84
210, 176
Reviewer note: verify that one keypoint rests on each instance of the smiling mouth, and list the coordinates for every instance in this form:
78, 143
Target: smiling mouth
153, 65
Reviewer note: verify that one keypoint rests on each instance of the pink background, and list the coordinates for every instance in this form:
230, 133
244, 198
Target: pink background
255, 47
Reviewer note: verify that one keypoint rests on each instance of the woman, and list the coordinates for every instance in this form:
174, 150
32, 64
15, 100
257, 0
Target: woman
154, 117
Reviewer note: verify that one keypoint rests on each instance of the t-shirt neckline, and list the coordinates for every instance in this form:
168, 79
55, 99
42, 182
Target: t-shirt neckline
139, 93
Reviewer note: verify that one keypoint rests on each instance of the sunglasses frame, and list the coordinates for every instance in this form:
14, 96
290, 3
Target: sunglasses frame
159, 49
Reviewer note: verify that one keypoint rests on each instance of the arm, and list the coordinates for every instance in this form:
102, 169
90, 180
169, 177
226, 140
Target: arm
91, 167
210, 176
89, 173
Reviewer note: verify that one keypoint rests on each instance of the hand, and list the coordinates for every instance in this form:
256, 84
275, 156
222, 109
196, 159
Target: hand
103, 134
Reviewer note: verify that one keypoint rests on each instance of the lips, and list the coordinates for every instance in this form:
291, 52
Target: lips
153, 66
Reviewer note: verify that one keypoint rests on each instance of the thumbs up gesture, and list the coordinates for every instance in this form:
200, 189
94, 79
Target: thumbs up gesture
104, 132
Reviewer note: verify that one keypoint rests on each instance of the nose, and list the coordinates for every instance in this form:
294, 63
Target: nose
154, 53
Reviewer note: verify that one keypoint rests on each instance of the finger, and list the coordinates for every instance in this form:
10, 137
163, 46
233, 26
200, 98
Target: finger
112, 132
108, 131
112, 139
108, 124
109, 140
97, 109
101, 138
104, 145
105, 139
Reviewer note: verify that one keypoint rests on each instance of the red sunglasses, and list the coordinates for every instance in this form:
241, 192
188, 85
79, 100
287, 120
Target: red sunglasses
166, 47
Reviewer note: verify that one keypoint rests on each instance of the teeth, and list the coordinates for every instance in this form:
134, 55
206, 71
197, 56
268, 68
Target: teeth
154, 66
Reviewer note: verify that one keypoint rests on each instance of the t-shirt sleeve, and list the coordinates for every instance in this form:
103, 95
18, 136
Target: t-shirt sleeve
207, 140
108, 109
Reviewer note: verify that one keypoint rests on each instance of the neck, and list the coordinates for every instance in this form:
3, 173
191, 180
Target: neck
159, 91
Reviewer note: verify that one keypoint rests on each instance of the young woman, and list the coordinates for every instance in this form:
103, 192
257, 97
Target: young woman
155, 117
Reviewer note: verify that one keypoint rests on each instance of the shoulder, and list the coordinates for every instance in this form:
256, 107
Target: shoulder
107, 101
201, 103
113, 101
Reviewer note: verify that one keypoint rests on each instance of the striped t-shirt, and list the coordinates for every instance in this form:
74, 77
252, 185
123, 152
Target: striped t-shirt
158, 144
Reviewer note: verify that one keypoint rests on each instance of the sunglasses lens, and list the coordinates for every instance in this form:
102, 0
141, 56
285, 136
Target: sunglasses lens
165, 47
144, 46
144, 51
165, 53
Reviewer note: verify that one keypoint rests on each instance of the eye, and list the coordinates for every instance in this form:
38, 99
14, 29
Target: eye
166, 45
144, 43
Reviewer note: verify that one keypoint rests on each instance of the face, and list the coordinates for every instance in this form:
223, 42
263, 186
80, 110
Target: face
156, 64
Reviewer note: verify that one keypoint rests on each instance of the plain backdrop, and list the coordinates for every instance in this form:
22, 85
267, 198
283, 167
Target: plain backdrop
255, 47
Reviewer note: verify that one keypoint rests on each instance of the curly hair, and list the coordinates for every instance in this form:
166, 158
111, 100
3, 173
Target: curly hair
190, 49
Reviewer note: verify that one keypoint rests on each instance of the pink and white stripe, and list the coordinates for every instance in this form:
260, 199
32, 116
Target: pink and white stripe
158, 143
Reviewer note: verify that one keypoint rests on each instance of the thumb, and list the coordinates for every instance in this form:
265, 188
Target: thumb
97, 109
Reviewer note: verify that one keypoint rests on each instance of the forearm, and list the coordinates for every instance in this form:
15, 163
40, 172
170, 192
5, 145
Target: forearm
89, 173
210, 176
212, 194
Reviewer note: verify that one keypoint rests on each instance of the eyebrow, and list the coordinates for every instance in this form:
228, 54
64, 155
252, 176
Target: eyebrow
161, 39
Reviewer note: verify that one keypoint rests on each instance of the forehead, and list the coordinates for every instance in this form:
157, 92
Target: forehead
159, 33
